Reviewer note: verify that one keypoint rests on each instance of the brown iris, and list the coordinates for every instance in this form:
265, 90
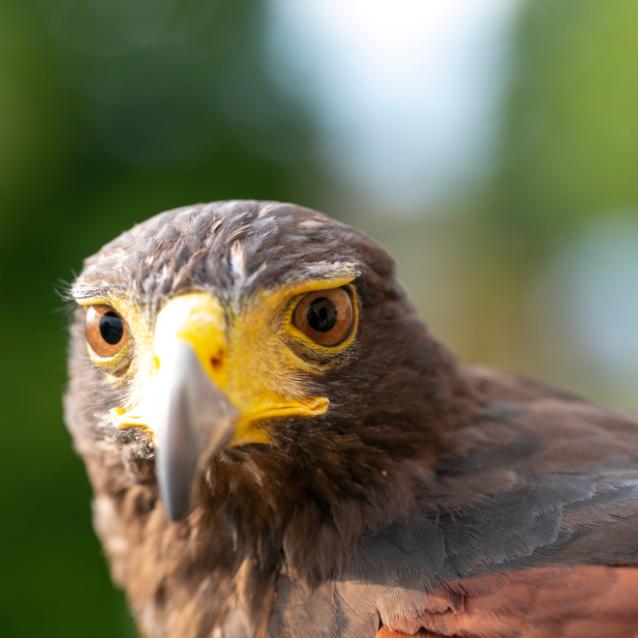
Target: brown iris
325, 316
106, 331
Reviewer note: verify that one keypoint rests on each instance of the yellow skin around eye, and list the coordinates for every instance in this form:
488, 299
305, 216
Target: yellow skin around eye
253, 363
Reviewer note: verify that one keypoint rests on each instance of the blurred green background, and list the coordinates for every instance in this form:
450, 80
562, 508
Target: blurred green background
494, 151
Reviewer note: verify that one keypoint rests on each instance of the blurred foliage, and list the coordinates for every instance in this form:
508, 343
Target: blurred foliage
564, 171
110, 112
569, 143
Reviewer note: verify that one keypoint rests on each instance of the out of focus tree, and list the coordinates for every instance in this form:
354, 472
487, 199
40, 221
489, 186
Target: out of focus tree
109, 112
570, 136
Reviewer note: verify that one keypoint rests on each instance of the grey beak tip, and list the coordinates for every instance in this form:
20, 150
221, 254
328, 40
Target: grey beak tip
176, 476
176, 511
194, 420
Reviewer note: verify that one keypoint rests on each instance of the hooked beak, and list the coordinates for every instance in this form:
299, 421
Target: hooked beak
202, 393
192, 419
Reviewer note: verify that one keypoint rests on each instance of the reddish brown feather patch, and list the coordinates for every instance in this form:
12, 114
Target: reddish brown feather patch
551, 602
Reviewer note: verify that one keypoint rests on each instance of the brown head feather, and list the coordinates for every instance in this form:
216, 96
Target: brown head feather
425, 486
304, 501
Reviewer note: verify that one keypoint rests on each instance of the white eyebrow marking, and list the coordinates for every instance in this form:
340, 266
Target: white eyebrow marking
335, 269
267, 210
238, 269
238, 262
312, 223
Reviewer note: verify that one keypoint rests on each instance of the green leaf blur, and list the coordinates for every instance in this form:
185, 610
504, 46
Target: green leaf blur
112, 111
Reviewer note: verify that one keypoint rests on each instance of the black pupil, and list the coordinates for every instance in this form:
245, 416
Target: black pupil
111, 328
322, 314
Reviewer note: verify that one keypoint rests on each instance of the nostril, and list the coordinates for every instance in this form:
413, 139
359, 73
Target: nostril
216, 360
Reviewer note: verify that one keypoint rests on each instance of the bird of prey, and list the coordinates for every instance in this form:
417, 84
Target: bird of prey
279, 447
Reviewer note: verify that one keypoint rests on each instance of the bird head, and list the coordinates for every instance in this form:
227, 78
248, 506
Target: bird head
235, 330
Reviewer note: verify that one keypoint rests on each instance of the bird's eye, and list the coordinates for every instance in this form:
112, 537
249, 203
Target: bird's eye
325, 316
105, 331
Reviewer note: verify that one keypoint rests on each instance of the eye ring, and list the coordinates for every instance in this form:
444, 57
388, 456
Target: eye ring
325, 316
106, 331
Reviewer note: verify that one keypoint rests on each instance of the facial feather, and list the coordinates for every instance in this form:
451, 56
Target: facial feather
395, 397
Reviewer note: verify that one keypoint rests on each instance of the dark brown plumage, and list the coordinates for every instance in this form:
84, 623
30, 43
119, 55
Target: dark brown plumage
429, 497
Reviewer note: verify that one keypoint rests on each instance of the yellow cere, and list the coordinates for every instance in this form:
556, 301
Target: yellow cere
245, 355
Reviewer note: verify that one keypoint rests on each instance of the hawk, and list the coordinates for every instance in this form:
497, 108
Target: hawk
279, 447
